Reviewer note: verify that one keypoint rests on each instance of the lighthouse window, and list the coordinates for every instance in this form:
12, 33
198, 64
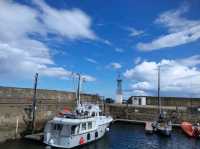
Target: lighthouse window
83, 126
89, 125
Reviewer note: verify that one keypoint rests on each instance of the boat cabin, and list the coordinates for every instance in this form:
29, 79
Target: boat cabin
69, 129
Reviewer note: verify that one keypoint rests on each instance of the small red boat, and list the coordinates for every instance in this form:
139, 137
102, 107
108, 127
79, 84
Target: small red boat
190, 130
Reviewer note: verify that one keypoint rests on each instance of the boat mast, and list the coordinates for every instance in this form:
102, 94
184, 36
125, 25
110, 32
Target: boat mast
159, 101
78, 89
34, 102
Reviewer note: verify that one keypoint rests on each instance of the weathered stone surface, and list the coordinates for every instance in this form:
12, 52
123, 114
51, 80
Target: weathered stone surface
15, 105
16, 102
150, 113
173, 101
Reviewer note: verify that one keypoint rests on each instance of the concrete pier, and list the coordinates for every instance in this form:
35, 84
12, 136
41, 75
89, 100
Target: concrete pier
139, 122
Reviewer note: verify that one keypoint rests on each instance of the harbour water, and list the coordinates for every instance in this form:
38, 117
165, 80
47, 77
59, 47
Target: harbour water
124, 136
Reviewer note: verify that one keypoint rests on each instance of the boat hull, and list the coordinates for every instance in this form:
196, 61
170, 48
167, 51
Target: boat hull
165, 132
149, 127
76, 140
164, 129
190, 130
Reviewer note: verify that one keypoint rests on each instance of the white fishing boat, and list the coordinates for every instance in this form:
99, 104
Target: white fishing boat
85, 124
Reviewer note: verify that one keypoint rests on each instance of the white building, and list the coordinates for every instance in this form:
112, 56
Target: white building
138, 100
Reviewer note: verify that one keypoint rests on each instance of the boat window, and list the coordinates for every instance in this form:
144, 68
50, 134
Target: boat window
89, 125
47, 127
86, 113
66, 131
77, 129
93, 114
88, 136
57, 127
83, 126
96, 134
73, 128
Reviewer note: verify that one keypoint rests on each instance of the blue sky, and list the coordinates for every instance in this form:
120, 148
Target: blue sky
99, 39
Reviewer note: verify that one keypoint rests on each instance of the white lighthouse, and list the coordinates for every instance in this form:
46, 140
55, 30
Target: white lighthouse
119, 95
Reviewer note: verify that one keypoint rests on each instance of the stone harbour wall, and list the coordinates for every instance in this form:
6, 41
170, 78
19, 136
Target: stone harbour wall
150, 113
173, 101
16, 103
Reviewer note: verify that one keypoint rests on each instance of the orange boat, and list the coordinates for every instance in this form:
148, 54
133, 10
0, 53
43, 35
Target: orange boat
190, 130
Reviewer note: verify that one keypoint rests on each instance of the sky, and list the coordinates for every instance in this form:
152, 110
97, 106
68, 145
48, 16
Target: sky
101, 39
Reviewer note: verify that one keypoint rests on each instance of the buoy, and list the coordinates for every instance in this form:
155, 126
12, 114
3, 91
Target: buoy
81, 141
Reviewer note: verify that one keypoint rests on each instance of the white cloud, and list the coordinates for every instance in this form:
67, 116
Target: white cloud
180, 30
178, 77
190, 61
139, 93
107, 42
88, 78
70, 23
142, 86
174, 20
20, 62
137, 60
119, 50
21, 55
84, 77
115, 65
91, 60
134, 32
17, 20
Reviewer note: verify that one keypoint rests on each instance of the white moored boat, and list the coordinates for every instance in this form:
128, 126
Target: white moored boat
71, 129
162, 125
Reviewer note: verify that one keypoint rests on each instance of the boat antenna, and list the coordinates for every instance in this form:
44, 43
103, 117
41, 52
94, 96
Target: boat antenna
159, 101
